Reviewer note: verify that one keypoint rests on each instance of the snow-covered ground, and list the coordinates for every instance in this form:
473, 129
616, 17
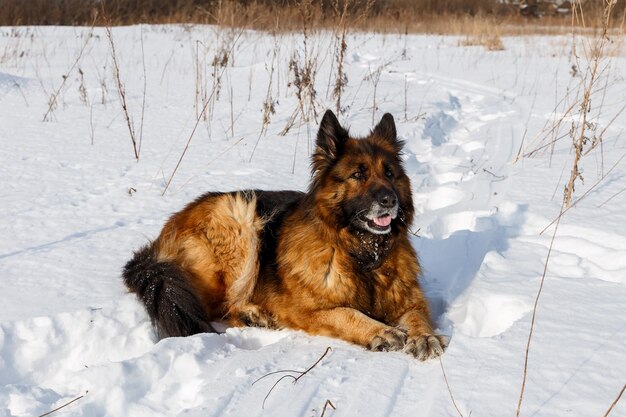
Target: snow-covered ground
75, 203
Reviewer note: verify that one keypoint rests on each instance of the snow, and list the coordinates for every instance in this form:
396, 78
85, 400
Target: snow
75, 204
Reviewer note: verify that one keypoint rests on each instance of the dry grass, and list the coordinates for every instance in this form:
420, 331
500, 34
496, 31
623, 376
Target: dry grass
583, 135
485, 32
590, 61
439, 17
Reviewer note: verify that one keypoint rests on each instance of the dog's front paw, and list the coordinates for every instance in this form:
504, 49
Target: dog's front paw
388, 339
426, 346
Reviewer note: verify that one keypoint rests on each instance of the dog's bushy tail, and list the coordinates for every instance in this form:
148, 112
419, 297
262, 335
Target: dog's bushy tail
171, 302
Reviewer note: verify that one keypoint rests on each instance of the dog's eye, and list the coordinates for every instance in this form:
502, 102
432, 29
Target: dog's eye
388, 173
358, 175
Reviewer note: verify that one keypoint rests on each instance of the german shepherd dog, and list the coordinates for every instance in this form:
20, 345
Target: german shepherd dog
334, 261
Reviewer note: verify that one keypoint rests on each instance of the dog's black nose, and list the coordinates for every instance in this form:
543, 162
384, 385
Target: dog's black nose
386, 198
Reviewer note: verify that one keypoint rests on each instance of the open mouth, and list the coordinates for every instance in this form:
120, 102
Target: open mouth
380, 224
377, 219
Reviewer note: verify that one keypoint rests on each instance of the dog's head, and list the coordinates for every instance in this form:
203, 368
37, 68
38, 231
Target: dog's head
361, 184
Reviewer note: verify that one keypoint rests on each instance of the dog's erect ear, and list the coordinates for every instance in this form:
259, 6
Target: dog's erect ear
330, 140
386, 129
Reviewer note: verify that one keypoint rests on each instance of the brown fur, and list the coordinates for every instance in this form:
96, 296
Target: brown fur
217, 241
305, 261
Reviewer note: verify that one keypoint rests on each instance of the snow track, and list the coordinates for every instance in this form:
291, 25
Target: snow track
77, 204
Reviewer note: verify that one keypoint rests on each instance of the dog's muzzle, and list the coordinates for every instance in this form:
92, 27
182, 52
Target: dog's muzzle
378, 220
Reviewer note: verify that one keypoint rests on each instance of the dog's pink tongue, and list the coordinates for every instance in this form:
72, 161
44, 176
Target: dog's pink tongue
383, 221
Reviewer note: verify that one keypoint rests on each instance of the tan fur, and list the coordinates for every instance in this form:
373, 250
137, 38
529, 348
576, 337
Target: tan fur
217, 241
321, 294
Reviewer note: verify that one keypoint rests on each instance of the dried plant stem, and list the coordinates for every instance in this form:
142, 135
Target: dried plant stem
552, 131
326, 404
304, 72
122, 93
593, 187
406, 87
341, 80
534, 315
374, 77
218, 156
445, 378
91, 122
198, 80
581, 139
182, 155
232, 111
612, 197
63, 406
269, 103
616, 401
143, 98
291, 371
579, 142
609, 124
52, 103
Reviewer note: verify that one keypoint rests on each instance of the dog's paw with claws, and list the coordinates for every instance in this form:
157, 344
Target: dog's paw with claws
387, 340
253, 316
426, 346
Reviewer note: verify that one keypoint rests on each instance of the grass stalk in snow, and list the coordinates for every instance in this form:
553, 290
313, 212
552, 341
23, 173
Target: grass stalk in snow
534, 314
63, 406
580, 131
326, 405
53, 101
104, 91
143, 97
341, 79
91, 126
196, 101
374, 77
445, 378
406, 88
217, 157
303, 68
612, 197
615, 401
289, 372
593, 187
269, 104
122, 93
231, 99
82, 90
223, 57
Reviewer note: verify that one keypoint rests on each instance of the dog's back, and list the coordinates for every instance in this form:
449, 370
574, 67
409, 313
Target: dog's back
205, 263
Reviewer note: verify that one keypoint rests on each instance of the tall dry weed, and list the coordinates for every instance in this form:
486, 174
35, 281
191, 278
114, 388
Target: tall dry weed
303, 67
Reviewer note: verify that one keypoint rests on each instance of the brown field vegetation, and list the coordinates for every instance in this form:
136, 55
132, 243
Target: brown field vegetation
464, 17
